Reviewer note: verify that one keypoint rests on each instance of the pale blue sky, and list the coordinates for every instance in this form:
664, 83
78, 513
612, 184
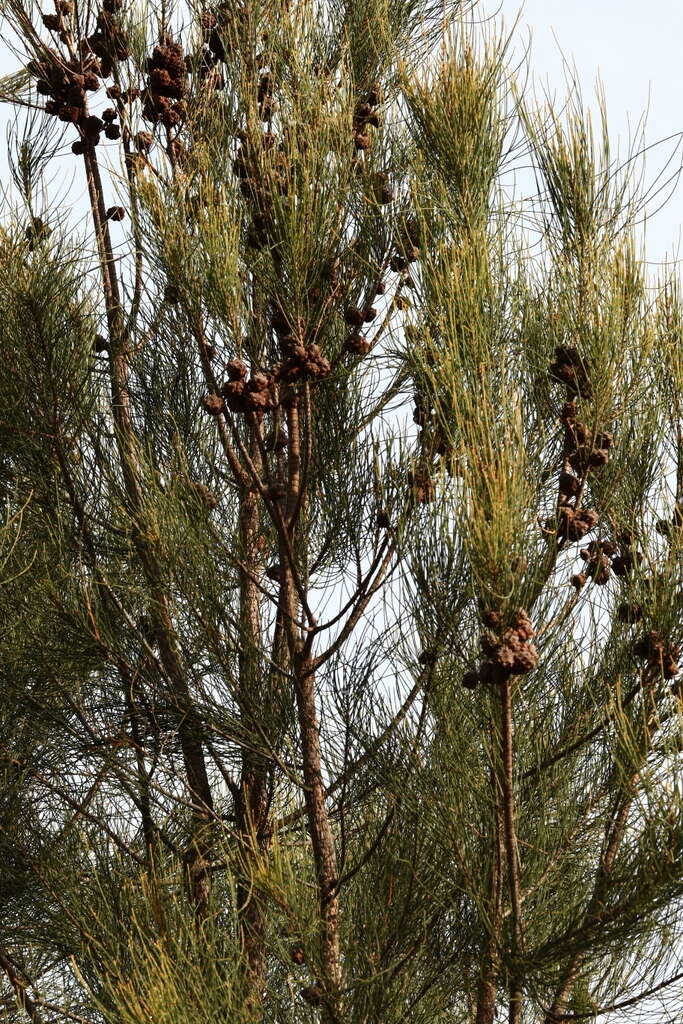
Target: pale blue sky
636, 48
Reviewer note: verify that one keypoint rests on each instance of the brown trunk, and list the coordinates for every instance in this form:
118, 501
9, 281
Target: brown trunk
189, 730
321, 834
22, 997
251, 805
487, 990
510, 834
292, 595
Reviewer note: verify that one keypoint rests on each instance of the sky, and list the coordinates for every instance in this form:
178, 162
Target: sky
635, 49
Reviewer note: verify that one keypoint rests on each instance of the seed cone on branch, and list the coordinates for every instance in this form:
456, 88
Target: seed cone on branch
166, 81
571, 369
660, 655
508, 651
574, 525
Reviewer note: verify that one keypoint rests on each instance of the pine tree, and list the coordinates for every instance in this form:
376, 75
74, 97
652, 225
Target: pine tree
341, 553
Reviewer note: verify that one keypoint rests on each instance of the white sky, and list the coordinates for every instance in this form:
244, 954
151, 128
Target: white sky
636, 48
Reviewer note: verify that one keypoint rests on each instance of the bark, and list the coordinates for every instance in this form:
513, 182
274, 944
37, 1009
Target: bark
189, 731
510, 834
320, 831
303, 667
252, 803
23, 998
487, 989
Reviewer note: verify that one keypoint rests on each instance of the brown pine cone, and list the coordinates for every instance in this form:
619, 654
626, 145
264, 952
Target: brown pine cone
213, 404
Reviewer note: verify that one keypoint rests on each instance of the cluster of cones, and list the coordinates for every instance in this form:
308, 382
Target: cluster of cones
575, 523
365, 117
421, 482
299, 362
58, 22
508, 651
659, 655
355, 317
433, 446
382, 190
582, 454
205, 62
259, 174
163, 99
108, 42
264, 96
408, 242
66, 82
259, 392
570, 369
242, 395
604, 559
598, 565
669, 527
66, 85
214, 47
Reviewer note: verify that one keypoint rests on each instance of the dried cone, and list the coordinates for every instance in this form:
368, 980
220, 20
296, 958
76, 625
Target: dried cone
236, 370
312, 994
471, 680
629, 613
213, 404
354, 316
357, 344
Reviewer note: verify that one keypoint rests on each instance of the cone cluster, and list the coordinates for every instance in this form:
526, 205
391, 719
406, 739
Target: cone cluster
108, 42
421, 482
581, 455
66, 84
572, 370
574, 524
365, 117
408, 243
583, 452
312, 994
507, 651
660, 655
627, 557
382, 190
260, 393
598, 566
264, 96
261, 167
669, 527
58, 22
244, 395
630, 612
163, 99
433, 445
213, 47
299, 362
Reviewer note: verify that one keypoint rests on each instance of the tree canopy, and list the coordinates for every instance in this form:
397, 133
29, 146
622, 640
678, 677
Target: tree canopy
341, 473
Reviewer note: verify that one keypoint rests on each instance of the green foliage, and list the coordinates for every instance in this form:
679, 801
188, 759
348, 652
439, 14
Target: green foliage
310, 711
